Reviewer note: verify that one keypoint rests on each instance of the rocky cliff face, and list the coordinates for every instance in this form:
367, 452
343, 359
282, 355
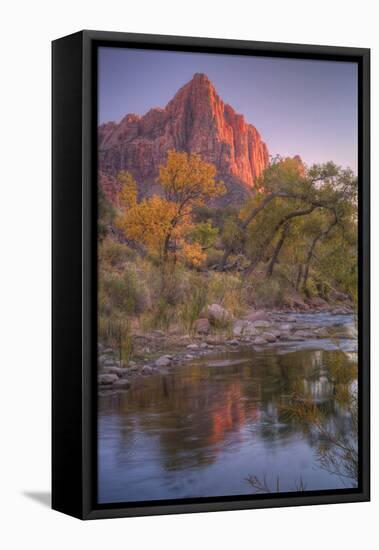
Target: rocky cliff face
196, 120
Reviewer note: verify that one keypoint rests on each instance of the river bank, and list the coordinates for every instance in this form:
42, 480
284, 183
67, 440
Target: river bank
159, 351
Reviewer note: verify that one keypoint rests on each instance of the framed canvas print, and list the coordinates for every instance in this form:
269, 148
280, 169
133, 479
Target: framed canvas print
210, 275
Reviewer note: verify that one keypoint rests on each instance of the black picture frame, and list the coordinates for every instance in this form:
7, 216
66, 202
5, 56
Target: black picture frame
74, 205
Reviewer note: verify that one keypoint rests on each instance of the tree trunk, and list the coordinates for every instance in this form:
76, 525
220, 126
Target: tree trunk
165, 266
310, 254
299, 276
267, 242
279, 245
314, 204
308, 263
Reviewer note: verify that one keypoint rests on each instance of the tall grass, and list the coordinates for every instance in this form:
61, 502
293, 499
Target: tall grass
116, 333
191, 309
230, 291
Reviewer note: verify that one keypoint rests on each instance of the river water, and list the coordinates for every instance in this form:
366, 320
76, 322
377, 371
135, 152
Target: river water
202, 429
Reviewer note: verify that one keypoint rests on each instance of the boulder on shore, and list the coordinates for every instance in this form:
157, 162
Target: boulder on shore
322, 332
260, 341
119, 371
107, 362
258, 316
202, 326
250, 330
193, 346
107, 379
232, 342
238, 328
285, 326
269, 337
163, 361
244, 328
217, 314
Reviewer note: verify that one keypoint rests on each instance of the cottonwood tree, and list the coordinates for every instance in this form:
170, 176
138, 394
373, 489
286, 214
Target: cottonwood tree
164, 223
304, 211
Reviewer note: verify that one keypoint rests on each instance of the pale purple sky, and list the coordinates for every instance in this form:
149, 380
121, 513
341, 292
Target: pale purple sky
304, 107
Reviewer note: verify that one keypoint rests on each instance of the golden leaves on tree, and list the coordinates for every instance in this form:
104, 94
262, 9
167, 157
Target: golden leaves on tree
164, 224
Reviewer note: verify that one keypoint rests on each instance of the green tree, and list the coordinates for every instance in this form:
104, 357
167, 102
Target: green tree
302, 214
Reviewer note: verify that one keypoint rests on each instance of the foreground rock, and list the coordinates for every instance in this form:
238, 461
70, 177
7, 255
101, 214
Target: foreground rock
119, 371
217, 315
244, 328
258, 316
163, 361
202, 326
107, 379
269, 337
285, 327
259, 340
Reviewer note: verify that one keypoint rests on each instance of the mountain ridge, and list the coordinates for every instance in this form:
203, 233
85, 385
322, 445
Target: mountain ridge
195, 120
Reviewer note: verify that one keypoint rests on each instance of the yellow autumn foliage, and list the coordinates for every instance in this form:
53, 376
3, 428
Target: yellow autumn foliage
193, 253
127, 196
163, 223
189, 181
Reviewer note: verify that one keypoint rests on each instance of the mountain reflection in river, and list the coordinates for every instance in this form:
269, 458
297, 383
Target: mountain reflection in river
202, 429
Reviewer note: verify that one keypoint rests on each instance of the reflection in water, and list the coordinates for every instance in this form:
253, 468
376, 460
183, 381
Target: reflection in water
202, 429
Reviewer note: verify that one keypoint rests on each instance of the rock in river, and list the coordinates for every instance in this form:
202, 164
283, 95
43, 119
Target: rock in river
260, 341
285, 326
163, 361
244, 328
119, 371
258, 316
233, 342
269, 337
192, 346
107, 379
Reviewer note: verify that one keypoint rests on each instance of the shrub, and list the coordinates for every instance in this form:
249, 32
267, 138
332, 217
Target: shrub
176, 287
123, 292
162, 315
311, 289
214, 257
113, 254
228, 290
269, 293
116, 332
194, 303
